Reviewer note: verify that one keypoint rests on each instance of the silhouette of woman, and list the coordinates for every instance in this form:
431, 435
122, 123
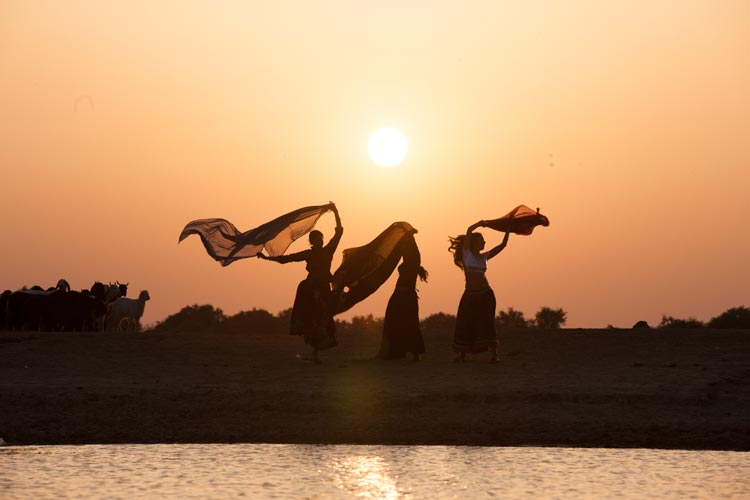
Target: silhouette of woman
475, 320
312, 315
401, 333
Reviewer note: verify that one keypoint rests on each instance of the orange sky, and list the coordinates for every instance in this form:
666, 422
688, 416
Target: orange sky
629, 126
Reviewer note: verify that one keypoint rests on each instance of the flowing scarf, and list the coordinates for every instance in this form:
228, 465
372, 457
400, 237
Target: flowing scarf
226, 244
364, 269
520, 220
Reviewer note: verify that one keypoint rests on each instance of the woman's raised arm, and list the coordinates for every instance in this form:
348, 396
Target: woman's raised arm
498, 248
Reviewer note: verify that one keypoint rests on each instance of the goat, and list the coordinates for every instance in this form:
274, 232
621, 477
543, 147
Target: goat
111, 293
98, 291
63, 285
35, 308
124, 309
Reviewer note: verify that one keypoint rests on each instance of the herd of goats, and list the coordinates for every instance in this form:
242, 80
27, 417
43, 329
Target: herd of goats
101, 308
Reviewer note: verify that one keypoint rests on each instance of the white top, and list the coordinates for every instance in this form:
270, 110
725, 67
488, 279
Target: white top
474, 269
473, 262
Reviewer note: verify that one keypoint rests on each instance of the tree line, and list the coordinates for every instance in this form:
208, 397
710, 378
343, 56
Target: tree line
209, 318
196, 318
735, 317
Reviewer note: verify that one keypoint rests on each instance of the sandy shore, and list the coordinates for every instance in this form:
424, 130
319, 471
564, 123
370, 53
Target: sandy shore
608, 388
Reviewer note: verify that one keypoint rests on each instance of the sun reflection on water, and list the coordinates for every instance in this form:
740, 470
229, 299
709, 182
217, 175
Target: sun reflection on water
365, 477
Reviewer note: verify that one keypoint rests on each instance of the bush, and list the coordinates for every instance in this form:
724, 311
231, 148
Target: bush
192, 318
438, 322
670, 322
361, 324
366, 324
736, 317
550, 319
253, 321
512, 319
202, 318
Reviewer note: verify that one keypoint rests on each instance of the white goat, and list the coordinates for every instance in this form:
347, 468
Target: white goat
124, 309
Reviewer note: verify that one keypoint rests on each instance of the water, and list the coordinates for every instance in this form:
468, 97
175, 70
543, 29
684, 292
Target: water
254, 471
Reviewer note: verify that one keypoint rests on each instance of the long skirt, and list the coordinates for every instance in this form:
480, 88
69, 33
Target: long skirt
401, 333
311, 315
475, 322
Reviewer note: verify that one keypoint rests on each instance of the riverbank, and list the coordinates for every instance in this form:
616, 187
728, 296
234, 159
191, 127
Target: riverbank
590, 388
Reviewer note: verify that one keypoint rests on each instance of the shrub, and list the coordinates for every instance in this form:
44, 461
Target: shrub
512, 319
284, 318
192, 318
438, 322
550, 319
361, 324
253, 321
670, 322
366, 324
736, 317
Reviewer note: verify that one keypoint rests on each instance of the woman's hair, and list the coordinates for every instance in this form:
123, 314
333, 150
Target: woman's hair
457, 247
412, 257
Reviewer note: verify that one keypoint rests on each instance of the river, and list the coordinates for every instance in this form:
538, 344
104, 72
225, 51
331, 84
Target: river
258, 471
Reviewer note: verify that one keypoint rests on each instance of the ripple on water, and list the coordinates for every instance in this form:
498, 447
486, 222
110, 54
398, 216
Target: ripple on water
185, 471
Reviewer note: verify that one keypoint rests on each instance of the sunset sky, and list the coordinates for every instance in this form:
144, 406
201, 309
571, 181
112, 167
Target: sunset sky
629, 125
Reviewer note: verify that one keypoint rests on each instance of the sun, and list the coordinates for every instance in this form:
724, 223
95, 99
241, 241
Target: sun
388, 147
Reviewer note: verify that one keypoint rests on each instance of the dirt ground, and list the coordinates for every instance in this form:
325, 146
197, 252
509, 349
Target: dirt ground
595, 388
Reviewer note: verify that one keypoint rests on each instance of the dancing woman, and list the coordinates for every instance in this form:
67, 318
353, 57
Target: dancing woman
401, 333
475, 320
312, 314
